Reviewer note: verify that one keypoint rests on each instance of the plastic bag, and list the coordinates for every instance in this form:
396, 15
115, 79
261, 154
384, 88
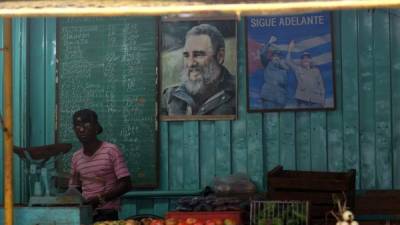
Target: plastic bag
73, 192
236, 183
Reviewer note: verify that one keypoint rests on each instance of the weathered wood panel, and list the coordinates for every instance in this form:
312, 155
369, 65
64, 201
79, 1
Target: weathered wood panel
382, 99
367, 91
335, 118
207, 152
350, 91
303, 141
395, 87
191, 155
176, 160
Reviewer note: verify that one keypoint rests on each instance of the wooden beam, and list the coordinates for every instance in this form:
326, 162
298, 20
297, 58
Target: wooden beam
139, 8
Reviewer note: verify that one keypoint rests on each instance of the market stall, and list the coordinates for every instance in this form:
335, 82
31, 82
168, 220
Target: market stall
9, 9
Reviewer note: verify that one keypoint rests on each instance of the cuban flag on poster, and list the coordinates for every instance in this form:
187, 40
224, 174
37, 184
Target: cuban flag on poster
305, 35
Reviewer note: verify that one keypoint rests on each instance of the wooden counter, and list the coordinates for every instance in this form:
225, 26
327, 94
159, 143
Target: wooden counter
51, 215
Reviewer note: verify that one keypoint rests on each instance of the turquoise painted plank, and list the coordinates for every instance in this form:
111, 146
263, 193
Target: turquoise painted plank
161, 206
176, 157
255, 149
239, 145
24, 101
239, 141
382, 99
223, 148
128, 208
395, 71
164, 156
334, 118
367, 110
50, 79
19, 103
172, 204
145, 206
271, 140
2, 112
318, 142
207, 152
303, 141
37, 81
350, 91
287, 140
190, 161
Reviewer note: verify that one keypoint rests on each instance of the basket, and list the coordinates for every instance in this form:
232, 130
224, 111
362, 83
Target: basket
279, 213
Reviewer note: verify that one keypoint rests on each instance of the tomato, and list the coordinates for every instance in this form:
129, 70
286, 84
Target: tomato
171, 221
191, 220
218, 222
210, 222
156, 222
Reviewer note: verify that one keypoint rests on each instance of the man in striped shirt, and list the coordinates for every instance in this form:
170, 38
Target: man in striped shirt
98, 168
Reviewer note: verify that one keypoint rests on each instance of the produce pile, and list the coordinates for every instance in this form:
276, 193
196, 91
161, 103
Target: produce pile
197, 221
145, 221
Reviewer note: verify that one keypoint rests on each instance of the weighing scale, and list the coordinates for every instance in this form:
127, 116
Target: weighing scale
40, 175
46, 207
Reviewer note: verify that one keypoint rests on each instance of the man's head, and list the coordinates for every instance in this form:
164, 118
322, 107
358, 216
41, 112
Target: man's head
276, 56
305, 60
86, 125
203, 55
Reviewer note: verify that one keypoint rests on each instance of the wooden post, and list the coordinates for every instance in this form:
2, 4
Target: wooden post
8, 137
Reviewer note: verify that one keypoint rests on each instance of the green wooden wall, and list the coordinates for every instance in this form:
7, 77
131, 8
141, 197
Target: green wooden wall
362, 133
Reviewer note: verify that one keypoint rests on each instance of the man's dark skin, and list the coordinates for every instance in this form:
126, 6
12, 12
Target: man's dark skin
87, 132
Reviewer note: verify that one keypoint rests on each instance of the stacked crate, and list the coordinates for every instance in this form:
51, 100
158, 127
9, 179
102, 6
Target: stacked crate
318, 188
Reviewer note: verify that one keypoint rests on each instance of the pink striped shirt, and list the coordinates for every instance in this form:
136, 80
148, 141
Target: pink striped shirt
99, 173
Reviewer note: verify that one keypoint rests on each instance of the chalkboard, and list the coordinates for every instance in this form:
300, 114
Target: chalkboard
109, 65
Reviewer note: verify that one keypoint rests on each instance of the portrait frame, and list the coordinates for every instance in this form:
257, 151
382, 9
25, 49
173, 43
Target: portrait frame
172, 73
290, 62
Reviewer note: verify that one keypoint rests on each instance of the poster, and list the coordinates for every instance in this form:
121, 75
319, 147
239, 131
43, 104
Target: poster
198, 59
289, 62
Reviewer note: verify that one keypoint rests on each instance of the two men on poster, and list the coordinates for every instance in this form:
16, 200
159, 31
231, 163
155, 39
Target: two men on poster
290, 62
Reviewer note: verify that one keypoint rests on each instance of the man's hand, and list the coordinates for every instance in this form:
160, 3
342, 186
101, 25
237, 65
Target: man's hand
123, 185
93, 201
272, 39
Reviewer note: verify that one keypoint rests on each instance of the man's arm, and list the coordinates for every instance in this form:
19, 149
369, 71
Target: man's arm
123, 185
264, 58
289, 60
